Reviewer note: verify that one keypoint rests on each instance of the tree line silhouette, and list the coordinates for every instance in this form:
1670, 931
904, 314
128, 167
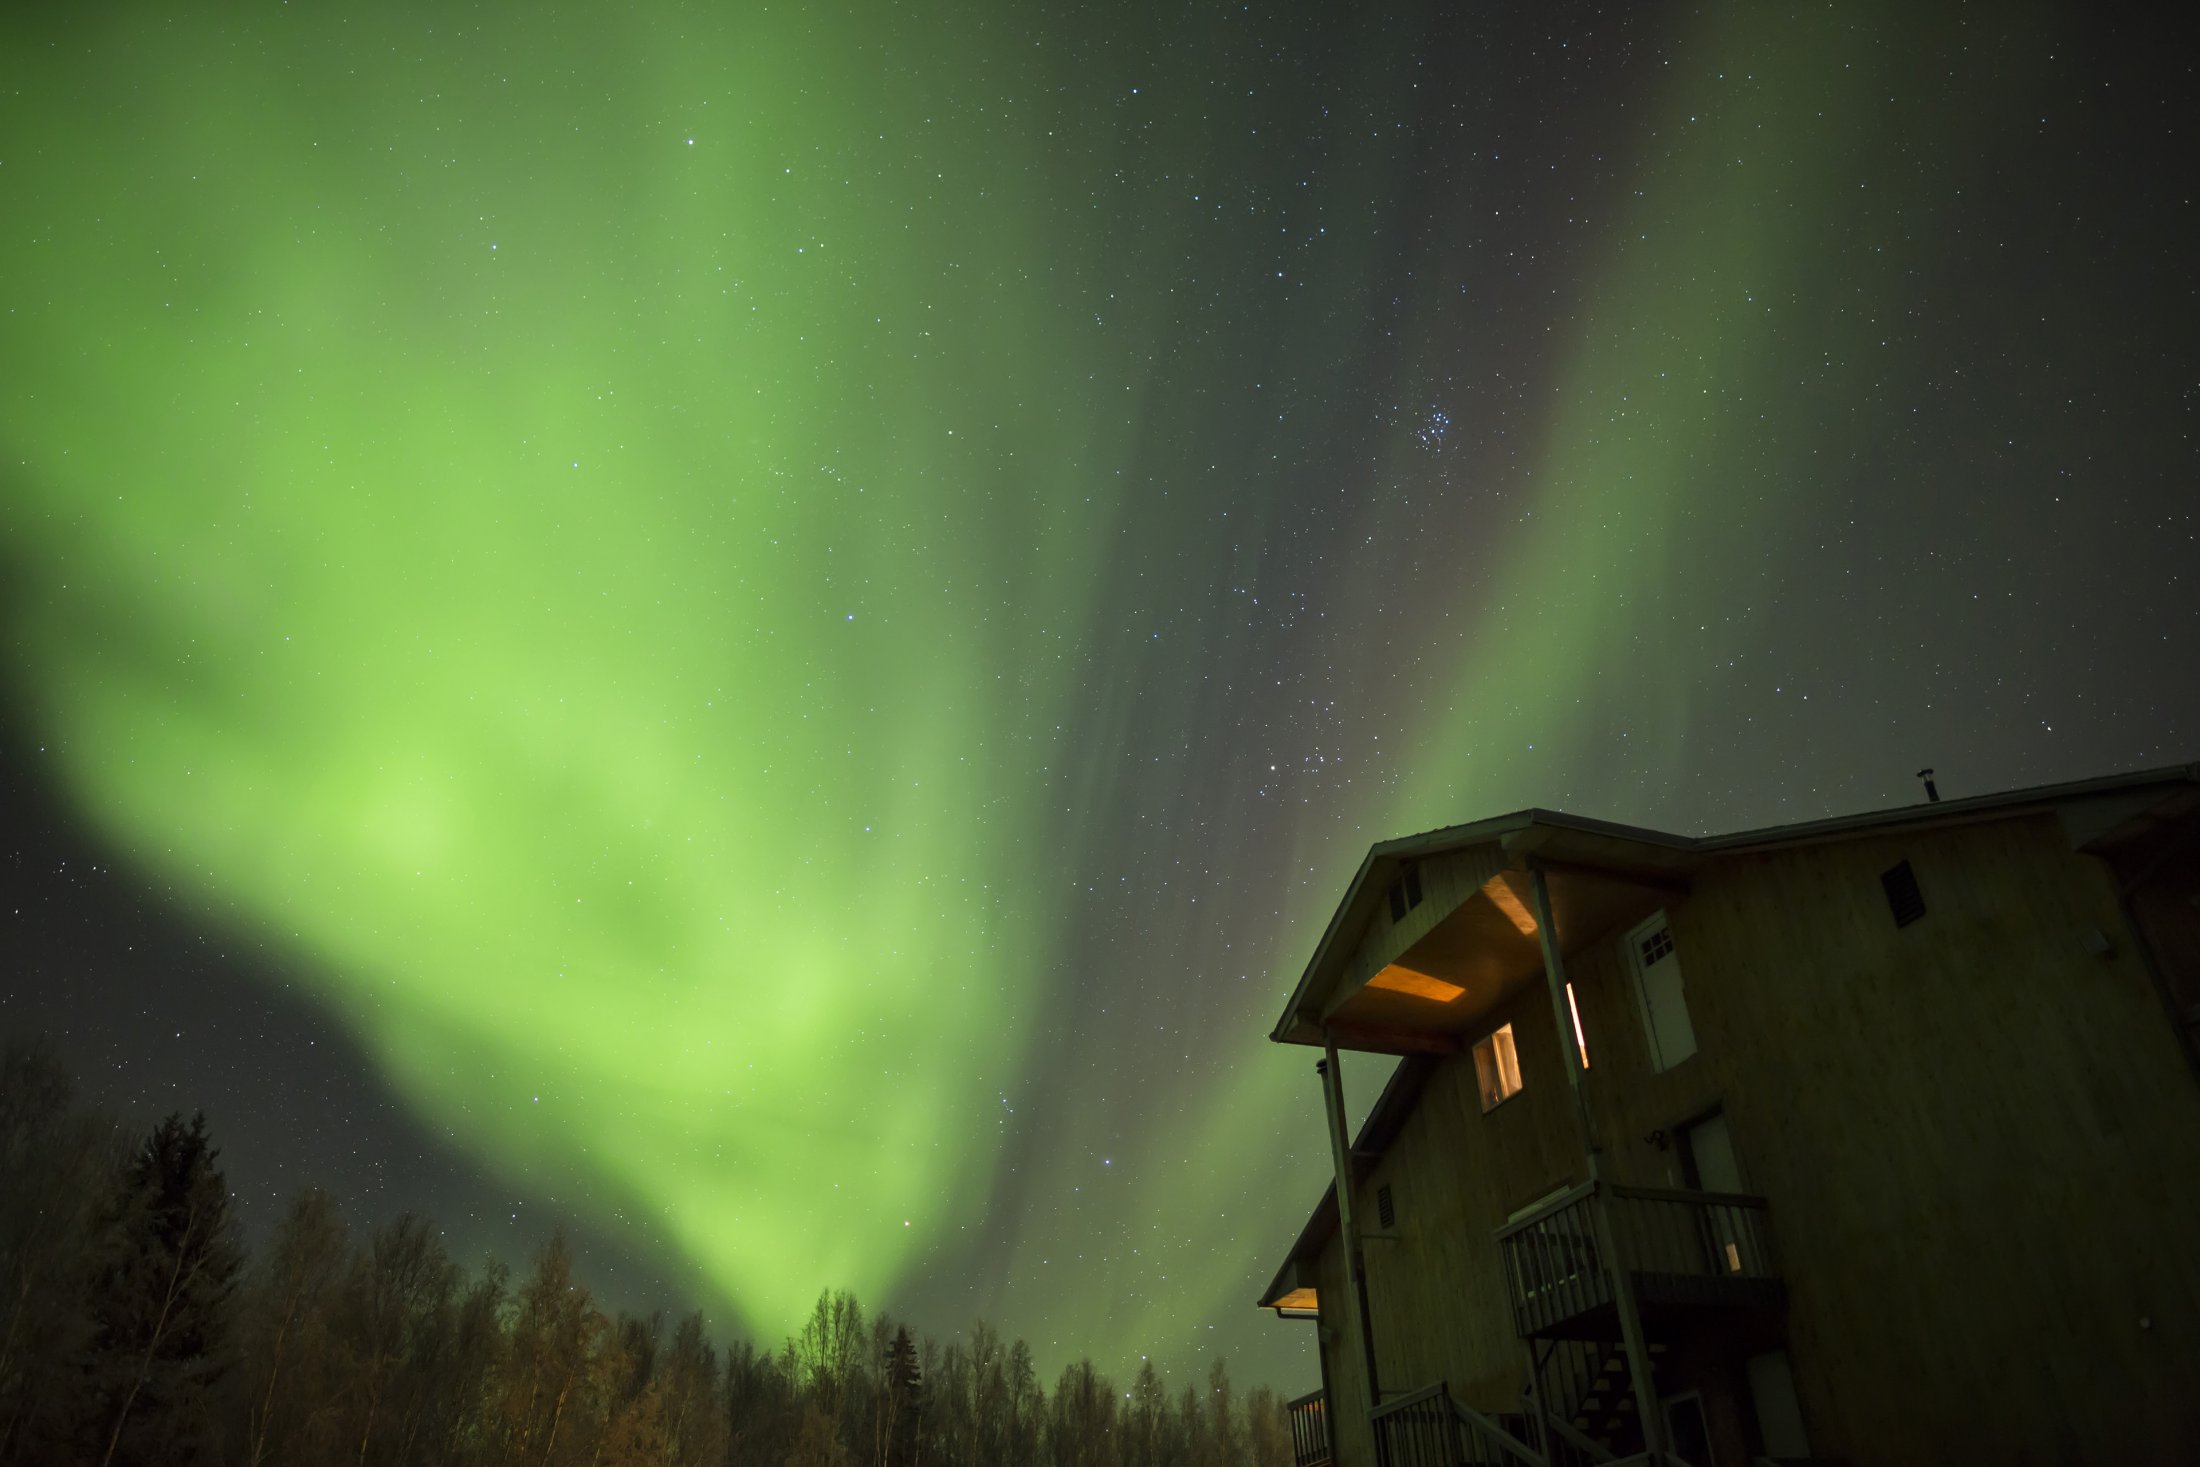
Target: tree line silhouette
135, 1331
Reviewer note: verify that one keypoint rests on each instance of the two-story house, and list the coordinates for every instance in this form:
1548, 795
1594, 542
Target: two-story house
1873, 1140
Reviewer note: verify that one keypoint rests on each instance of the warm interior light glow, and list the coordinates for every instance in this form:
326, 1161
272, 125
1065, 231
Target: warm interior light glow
1506, 900
1581, 1040
1297, 1299
1497, 1067
1404, 980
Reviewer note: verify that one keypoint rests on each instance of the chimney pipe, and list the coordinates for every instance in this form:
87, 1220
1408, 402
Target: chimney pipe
1932, 791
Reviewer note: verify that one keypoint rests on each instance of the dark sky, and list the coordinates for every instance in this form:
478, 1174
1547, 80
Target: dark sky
772, 635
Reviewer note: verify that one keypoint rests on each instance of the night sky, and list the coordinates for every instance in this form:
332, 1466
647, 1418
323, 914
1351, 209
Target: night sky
771, 630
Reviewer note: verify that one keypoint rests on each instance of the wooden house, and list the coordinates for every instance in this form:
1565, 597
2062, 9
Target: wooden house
1872, 1140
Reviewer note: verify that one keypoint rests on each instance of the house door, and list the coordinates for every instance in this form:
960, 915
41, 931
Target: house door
1687, 1430
1707, 1155
1659, 993
1708, 1164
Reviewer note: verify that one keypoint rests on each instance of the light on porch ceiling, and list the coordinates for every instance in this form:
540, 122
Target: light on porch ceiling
1508, 901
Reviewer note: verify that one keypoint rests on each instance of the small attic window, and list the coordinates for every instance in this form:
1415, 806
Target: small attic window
1385, 1208
1405, 894
1903, 898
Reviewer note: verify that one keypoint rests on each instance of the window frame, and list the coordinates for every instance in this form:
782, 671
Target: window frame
1497, 1062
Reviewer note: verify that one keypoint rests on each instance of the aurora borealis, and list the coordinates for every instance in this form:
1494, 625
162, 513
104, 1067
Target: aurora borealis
790, 618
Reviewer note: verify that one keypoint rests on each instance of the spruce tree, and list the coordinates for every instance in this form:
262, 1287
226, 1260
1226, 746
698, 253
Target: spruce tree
163, 1334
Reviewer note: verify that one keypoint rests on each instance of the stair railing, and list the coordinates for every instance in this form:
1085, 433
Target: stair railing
1567, 1445
1427, 1428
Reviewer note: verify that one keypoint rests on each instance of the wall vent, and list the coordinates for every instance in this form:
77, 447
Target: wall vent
1903, 898
1385, 1209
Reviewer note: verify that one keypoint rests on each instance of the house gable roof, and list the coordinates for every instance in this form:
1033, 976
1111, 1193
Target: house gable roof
2101, 816
2098, 813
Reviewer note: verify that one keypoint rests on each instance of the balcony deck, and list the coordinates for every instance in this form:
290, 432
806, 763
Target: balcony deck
1309, 1416
1687, 1253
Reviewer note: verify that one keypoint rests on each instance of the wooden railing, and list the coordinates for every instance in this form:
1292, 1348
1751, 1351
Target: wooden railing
1429, 1429
1551, 1261
1692, 1247
1681, 1247
1566, 1446
1309, 1430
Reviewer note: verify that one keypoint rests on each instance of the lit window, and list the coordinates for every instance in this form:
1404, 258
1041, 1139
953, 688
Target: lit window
1497, 1065
1581, 1040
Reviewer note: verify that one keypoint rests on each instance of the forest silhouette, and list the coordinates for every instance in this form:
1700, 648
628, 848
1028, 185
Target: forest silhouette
136, 1329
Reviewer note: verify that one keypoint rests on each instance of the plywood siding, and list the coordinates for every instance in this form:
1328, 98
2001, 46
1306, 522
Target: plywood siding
1981, 1143
1435, 1290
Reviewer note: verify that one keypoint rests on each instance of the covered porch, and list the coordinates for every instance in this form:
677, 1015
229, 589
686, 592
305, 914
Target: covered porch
1439, 938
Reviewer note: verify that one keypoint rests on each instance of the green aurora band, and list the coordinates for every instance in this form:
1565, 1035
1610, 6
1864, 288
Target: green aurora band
589, 533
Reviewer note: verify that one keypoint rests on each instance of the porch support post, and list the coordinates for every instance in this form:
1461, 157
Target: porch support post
1615, 1267
1355, 1265
1538, 1407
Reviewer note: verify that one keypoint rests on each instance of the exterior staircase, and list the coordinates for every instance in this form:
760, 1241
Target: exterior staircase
1586, 1411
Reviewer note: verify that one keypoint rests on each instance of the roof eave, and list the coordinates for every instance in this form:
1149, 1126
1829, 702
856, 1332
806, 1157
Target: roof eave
1997, 805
